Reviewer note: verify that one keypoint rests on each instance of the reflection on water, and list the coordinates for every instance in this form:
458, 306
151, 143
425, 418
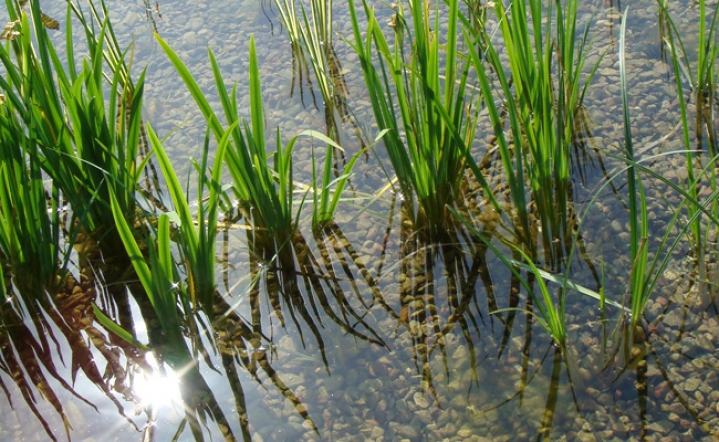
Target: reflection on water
400, 347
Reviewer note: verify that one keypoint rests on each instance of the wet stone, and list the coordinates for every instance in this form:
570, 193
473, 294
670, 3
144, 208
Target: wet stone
449, 430
674, 318
420, 400
377, 433
408, 431
662, 427
705, 342
464, 433
691, 384
424, 416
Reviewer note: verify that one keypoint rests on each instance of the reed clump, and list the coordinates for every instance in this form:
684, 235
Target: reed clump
418, 87
542, 93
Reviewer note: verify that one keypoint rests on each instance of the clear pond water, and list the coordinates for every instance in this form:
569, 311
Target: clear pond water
382, 336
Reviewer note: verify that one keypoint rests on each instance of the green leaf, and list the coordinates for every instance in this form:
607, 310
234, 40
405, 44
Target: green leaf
116, 329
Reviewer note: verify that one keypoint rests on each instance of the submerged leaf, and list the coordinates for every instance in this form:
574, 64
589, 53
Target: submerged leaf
49, 22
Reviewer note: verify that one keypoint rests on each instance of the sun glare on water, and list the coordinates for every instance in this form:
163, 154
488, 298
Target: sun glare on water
159, 387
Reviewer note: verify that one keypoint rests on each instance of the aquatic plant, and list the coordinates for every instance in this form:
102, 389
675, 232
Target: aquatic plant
31, 215
702, 76
198, 234
30, 244
646, 266
542, 96
162, 283
312, 38
86, 143
638, 220
160, 278
551, 314
698, 68
300, 70
267, 191
419, 94
327, 188
42, 107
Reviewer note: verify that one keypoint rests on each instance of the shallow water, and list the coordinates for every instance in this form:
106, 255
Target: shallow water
412, 351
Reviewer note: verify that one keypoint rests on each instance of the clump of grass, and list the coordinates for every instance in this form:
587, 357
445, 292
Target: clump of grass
648, 265
198, 234
30, 213
542, 95
264, 191
82, 117
311, 37
263, 182
420, 96
291, 22
45, 117
327, 189
160, 278
551, 314
31, 219
84, 143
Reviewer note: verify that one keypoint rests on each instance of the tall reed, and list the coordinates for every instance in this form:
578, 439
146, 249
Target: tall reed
638, 218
